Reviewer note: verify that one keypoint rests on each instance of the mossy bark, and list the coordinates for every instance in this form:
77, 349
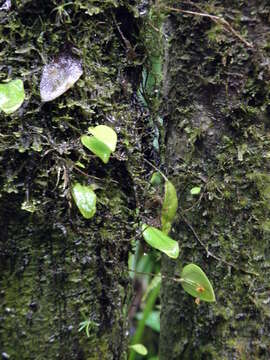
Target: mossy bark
217, 116
55, 266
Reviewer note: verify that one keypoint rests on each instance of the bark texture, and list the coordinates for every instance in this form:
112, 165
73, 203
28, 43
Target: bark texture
217, 116
55, 266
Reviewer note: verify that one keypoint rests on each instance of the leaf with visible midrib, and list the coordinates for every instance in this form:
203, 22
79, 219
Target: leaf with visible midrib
97, 147
158, 240
196, 283
11, 96
169, 207
85, 199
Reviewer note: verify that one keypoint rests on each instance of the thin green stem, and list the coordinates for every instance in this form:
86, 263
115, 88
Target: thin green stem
147, 310
153, 274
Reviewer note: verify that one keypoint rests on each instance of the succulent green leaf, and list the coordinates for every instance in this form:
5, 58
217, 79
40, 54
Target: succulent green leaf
156, 179
196, 283
169, 207
11, 96
85, 199
195, 190
79, 164
106, 135
97, 147
139, 349
158, 240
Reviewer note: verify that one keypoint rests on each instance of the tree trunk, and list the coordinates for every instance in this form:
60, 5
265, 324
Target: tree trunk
57, 268
217, 116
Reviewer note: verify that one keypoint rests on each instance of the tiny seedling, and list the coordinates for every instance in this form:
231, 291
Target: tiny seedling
11, 96
87, 325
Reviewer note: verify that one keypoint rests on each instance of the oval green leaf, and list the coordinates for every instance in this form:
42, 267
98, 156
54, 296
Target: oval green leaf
85, 199
196, 283
169, 207
11, 96
156, 179
158, 240
97, 147
106, 135
195, 190
139, 349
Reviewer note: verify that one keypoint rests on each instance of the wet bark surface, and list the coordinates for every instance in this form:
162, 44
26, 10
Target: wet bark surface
56, 268
217, 116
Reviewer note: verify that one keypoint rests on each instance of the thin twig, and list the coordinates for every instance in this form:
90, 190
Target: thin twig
209, 253
157, 169
157, 30
138, 235
70, 162
91, 176
216, 19
227, 25
195, 204
129, 49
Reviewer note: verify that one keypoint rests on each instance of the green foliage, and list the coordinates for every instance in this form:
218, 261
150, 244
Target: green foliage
139, 349
146, 313
105, 134
97, 147
196, 283
87, 325
30, 206
262, 181
158, 240
195, 190
156, 281
169, 207
11, 96
156, 179
102, 143
152, 73
153, 319
150, 81
85, 199
55, 125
